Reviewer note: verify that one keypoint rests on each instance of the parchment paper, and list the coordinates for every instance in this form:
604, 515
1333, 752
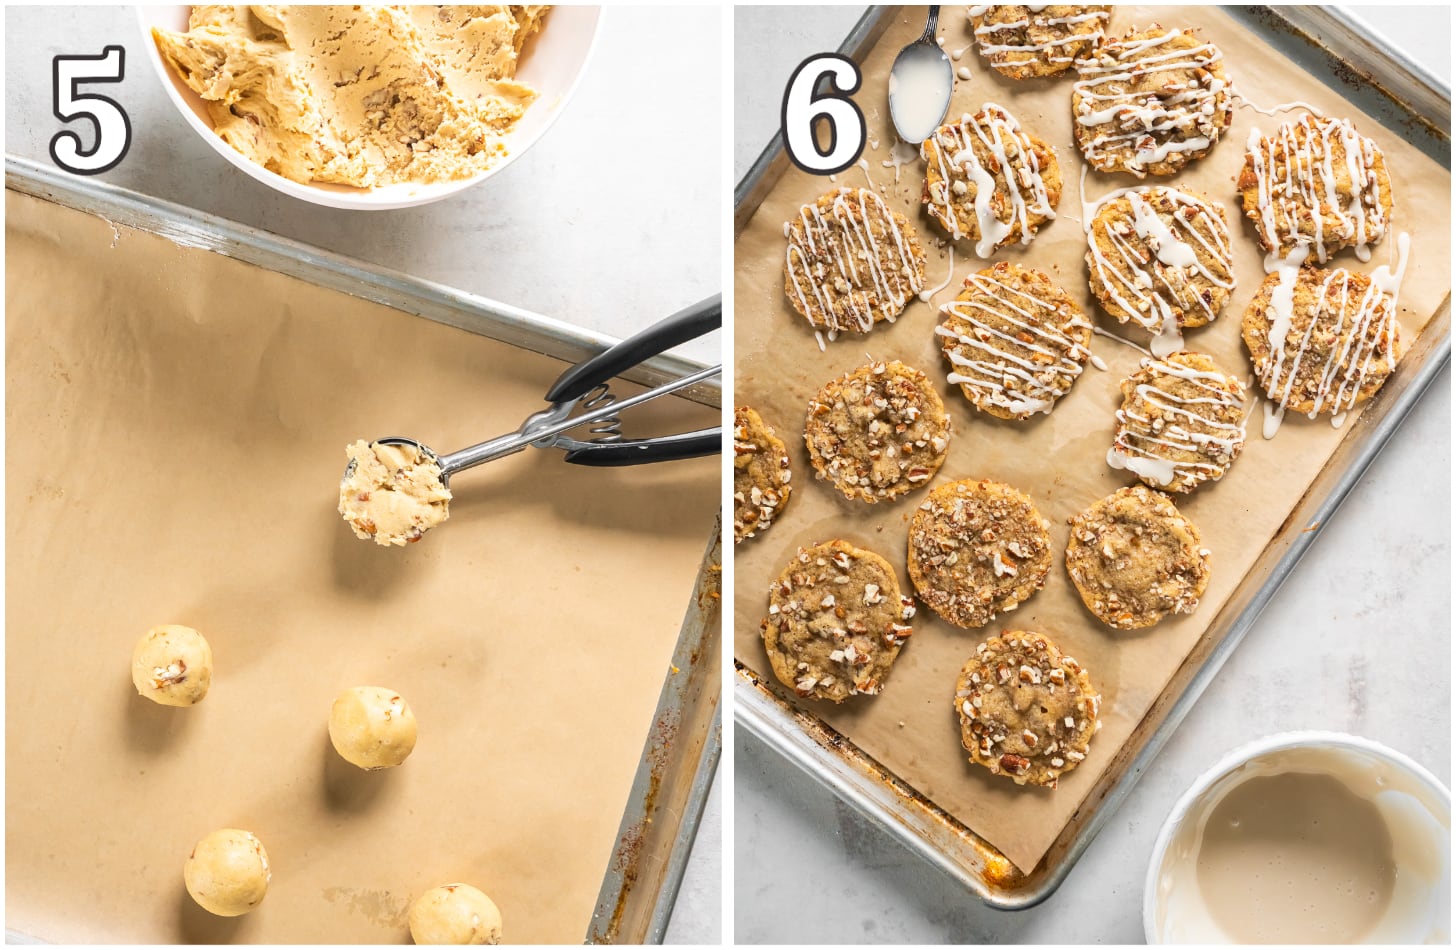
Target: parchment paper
1060, 460
176, 424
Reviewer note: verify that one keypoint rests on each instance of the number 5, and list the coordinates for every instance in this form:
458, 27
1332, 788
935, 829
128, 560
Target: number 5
802, 111
113, 128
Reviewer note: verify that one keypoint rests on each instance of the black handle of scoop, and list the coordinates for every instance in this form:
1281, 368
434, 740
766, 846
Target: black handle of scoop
684, 445
687, 324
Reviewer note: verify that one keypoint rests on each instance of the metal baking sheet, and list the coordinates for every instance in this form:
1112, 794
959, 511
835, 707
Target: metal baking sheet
681, 749
1401, 96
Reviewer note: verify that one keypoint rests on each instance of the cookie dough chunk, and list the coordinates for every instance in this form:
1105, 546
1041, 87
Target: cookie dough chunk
977, 549
1016, 341
1027, 711
227, 872
1161, 259
372, 727
454, 914
877, 432
1335, 348
1181, 423
172, 665
392, 493
851, 262
988, 182
761, 474
1316, 184
836, 622
1026, 42
367, 96
1151, 102
1135, 559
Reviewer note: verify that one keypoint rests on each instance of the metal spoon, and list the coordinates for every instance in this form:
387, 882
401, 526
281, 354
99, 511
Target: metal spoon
920, 85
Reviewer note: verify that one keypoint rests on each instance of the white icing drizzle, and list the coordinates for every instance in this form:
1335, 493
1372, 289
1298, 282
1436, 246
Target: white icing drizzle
1154, 297
1187, 425
901, 153
987, 36
849, 241
1123, 340
864, 166
930, 292
1018, 178
1184, 117
1304, 192
1359, 326
963, 72
1052, 355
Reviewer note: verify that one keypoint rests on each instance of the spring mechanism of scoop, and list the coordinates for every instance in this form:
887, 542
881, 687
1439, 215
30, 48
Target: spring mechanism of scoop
609, 427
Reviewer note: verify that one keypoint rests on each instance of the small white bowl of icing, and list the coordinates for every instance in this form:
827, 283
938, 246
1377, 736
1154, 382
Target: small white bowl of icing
1305, 837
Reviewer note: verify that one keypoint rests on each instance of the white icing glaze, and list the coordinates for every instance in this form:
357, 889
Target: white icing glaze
1019, 180
1188, 425
987, 36
901, 153
1305, 189
930, 292
1153, 297
1049, 369
1185, 117
849, 240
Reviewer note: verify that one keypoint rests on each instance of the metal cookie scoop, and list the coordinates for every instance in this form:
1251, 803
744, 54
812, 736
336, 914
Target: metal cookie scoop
921, 81
585, 387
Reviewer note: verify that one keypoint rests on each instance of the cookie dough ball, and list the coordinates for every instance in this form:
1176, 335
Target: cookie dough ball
454, 913
227, 872
172, 665
372, 727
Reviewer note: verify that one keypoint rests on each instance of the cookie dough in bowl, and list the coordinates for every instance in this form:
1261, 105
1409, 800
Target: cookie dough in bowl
454, 914
172, 665
227, 872
369, 107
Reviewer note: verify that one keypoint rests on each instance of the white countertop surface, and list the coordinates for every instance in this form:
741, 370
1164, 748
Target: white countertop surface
611, 221
1359, 640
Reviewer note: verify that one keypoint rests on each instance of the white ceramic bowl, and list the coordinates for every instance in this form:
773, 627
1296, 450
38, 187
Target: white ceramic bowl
1427, 903
553, 62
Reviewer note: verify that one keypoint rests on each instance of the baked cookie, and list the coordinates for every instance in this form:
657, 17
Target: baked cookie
1016, 341
1161, 259
851, 262
1151, 102
1135, 559
1181, 423
989, 182
1026, 42
977, 549
877, 432
1338, 344
761, 474
1316, 184
836, 622
1027, 711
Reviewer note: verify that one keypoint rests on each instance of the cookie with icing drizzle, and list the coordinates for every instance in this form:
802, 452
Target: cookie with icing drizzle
988, 182
977, 549
761, 474
1016, 341
836, 621
1150, 103
1026, 42
1316, 184
1181, 424
1160, 258
1027, 710
1335, 350
877, 432
851, 262
1135, 558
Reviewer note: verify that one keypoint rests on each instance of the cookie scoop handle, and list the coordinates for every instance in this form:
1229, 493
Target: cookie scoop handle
687, 324
668, 448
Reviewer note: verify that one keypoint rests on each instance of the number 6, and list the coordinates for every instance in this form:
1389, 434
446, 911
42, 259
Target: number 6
802, 111
113, 128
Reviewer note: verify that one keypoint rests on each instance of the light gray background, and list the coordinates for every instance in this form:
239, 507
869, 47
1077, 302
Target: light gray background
611, 222
1358, 640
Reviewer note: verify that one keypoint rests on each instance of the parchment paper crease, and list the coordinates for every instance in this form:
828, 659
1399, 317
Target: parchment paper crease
1059, 460
176, 424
